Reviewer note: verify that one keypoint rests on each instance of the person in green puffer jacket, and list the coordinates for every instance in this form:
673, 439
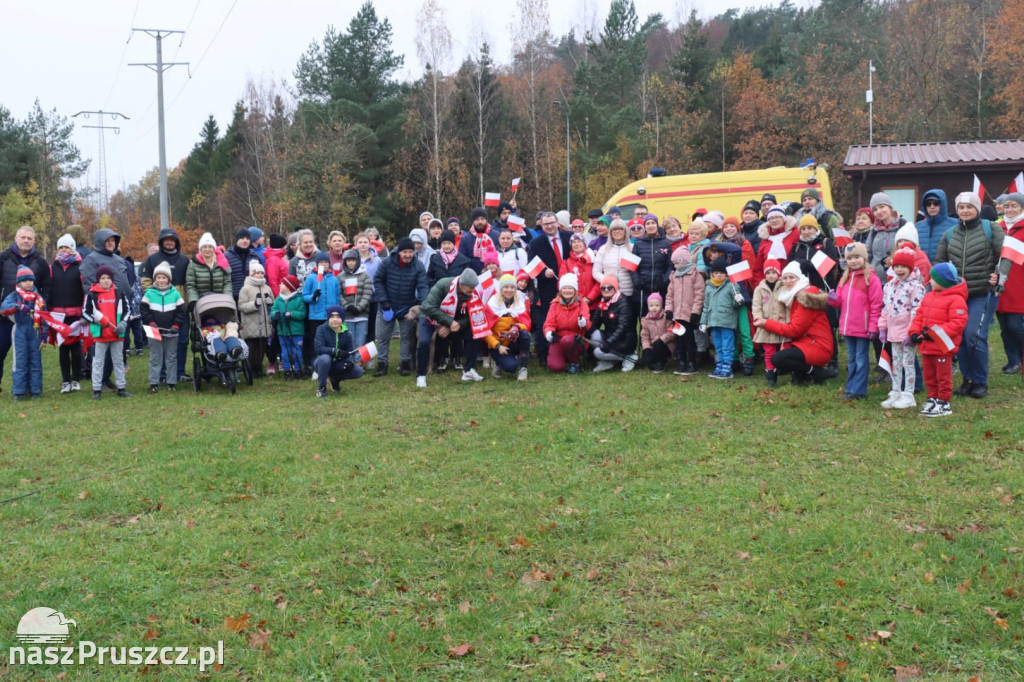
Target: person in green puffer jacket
208, 272
288, 315
973, 247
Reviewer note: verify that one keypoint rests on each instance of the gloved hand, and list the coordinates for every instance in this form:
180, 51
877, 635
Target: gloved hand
695, 320
833, 297
25, 308
883, 335
513, 333
915, 339
668, 315
873, 335
288, 314
121, 328
552, 337
316, 295
259, 301
578, 340
703, 328
925, 334
275, 316
908, 342
351, 310
738, 298
605, 348
582, 322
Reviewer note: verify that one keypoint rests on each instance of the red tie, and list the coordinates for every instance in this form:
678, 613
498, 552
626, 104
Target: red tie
554, 247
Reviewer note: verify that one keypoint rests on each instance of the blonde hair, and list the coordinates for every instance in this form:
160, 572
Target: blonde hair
699, 225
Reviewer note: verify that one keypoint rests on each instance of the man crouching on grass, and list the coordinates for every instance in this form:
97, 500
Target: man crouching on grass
453, 306
332, 349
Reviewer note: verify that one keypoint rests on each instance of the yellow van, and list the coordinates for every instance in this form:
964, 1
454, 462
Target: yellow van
728, 192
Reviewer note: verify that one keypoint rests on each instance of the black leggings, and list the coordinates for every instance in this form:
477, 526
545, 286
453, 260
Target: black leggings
71, 362
791, 361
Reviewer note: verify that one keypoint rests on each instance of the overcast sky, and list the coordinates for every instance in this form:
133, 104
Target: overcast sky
73, 55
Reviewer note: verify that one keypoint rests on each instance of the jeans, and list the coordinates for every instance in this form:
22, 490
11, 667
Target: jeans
407, 336
291, 353
1011, 328
974, 363
28, 361
426, 330
163, 354
358, 330
858, 354
725, 348
115, 348
335, 370
517, 354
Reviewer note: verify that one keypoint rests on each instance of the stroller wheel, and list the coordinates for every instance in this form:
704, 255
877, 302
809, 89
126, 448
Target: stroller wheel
197, 374
231, 380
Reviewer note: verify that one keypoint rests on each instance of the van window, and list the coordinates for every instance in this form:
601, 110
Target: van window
627, 210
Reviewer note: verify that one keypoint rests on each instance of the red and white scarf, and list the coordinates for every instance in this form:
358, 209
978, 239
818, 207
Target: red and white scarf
474, 308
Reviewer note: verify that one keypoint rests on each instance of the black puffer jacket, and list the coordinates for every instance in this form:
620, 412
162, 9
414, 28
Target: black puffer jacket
655, 266
175, 259
805, 251
11, 260
438, 271
617, 324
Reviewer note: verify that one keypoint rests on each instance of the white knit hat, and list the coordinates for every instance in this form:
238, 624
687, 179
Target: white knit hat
792, 268
909, 233
66, 240
968, 198
207, 240
569, 280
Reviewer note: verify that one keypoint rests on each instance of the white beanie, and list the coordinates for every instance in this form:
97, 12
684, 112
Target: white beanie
563, 218
968, 198
207, 240
164, 268
909, 233
716, 218
792, 268
256, 266
66, 240
569, 280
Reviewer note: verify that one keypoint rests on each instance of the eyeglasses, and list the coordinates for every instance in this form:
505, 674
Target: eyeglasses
636, 228
932, 203
607, 288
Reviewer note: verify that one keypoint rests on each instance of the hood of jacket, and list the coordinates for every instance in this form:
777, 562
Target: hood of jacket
813, 299
102, 236
943, 206
169, 233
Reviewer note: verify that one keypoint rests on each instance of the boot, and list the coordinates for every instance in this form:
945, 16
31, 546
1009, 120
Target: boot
748, 367
820, 374
769, 375
405, 368
382, 369
832, 370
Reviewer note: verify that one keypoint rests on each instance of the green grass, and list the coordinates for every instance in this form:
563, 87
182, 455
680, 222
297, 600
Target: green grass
640, 526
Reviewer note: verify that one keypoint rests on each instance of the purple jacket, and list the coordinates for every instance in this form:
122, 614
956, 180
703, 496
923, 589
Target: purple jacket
860, 305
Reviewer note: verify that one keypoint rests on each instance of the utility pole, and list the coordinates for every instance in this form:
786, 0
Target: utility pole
159, 67
870, 96
568, 151
103, 149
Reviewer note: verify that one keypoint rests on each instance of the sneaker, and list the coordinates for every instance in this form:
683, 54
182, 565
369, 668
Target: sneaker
471, 375
75, 386
832, 370
657, 369
236, 352
681, 370
314, 376
185, 379
721, 374
138, 351
321, 392
123, 393
485, 363
442, 366
979, 391
629, 362
905, 401
496, 371
771, 377
965, 388
421, 382
574, 368
941, 409
458, 365
65, 387
928, 406
603, 366
1012, 368
849, 397
170, 387
890, 401
404, 368
523, 374
96, 395
153, 388
18, 397
271, 370
748, 367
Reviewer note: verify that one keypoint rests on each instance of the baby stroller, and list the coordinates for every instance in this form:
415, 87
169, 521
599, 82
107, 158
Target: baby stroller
206, 364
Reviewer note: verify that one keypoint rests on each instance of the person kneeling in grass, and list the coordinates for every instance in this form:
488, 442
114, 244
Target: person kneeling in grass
332, 350
508, 313
453, 307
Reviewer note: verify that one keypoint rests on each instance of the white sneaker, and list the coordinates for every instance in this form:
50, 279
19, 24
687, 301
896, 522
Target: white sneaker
75, 386
486, 363
523, 374
928, 407
603, 366
941, 409
65, 387
421, 382
314, 376
905, 401
891, 400
496, 371
629, 363
471, 375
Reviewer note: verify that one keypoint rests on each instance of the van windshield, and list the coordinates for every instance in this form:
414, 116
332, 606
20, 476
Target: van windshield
627, 210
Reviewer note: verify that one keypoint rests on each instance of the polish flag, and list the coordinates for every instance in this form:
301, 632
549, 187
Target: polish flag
943, 337
842, 237
534, 267
152, 331
492, 199
979, 189
486, 285
885, 362
516, 223
367, 352
739, 272
1013, 249
515, 184
351, 286
822, 263
778, 249
629, 262
678, 329
1017, 185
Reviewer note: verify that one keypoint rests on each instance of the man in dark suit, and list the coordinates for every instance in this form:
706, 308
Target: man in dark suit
552, 245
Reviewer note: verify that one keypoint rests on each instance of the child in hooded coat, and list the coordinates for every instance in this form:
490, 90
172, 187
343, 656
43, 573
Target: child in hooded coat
289, 318
937, 329
255, 299
684, 303
901, 297
20, 307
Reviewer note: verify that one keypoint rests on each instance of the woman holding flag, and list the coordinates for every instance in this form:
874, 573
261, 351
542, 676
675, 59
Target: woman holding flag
1010, 309
508, 315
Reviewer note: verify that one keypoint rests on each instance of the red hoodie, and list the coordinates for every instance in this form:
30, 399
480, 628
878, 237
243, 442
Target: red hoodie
944, 309
277, 268
582, 265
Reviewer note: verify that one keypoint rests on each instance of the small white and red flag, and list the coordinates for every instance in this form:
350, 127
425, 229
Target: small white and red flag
486, 285
822, 263
367, 352
535, 267
1013, 249
515, 184
152, 331
885, 362
739, 272
1017, 185
351, 286
979, 188
942, 336
678, 329
842, 237
629, 261
516, 223
492, 199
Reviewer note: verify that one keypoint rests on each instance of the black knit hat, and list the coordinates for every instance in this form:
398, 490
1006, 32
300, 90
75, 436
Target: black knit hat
242, 232
768, 197
278, 241
752, 205
718, 265
405, 244
479, 212
448, 236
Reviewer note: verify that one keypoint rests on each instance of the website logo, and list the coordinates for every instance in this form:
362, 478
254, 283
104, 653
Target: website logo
44, 625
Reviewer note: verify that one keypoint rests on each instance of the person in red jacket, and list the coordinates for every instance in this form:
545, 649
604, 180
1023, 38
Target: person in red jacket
566, 325
581, 263
937, 329
808, 327
1010, 309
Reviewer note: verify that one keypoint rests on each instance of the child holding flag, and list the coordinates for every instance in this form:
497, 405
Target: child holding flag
901, 298
332, 350
859, 300
1010, 309
937, 329
255, 300
163, 315
720, 316
289, 314
356, 295
683, 305
21, 306
106, 308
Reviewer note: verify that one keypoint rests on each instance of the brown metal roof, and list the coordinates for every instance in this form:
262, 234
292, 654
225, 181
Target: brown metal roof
987, 153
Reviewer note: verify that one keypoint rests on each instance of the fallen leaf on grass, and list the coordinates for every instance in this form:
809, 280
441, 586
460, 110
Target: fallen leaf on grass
883, 634
465, 607
617, 490
189, 523
237, 624
964, 586
522, 541
778, 667
135, 519
591, 574
280, 602
489, 572
1001, 622
775, 418
536, 575
841, 665
991, 611
84, 494
906, 672
260, 640
929, 577
839, 582
150, 634
742, 556
460, 650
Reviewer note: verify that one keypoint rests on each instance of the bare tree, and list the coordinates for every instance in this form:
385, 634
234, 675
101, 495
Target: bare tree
530, 35
484, 92
433, 45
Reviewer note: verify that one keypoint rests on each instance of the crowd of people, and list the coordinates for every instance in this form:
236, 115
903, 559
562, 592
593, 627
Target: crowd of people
780, 284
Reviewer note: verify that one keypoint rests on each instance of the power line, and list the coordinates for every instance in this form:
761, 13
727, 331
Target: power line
203, 56
120, 62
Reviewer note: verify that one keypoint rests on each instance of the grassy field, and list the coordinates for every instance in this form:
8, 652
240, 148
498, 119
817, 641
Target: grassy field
588, 527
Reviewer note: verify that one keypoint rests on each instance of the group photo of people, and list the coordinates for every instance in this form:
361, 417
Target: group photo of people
720, 293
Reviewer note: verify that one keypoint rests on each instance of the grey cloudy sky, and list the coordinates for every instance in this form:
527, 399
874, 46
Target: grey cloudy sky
73, 55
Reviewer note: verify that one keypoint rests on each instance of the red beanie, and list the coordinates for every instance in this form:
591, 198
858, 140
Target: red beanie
772, 264
290, 281
905, 257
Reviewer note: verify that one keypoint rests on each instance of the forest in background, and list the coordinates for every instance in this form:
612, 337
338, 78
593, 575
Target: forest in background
345, 144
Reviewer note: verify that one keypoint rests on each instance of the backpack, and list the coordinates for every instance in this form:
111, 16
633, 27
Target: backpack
986, 225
